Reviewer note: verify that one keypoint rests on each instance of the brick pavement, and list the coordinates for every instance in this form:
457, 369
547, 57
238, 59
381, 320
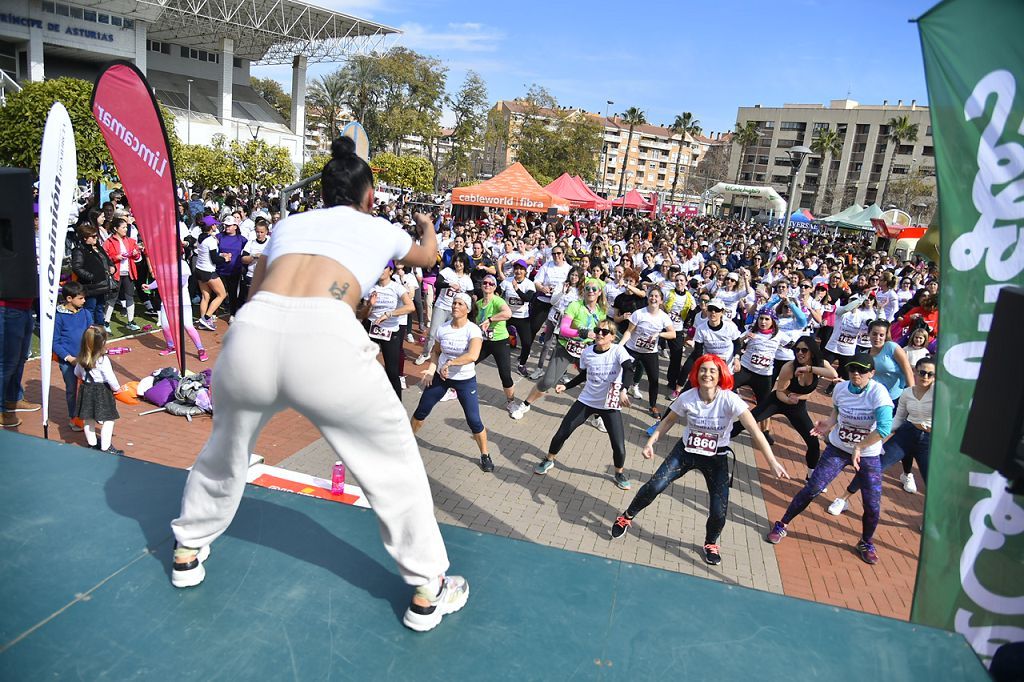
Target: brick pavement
573, 505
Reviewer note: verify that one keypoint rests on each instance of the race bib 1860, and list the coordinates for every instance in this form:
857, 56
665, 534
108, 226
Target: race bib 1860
702, 442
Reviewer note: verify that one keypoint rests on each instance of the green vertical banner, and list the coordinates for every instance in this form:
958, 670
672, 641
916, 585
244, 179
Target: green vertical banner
971, 574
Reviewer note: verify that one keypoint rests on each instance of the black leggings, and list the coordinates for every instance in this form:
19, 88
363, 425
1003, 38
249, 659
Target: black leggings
842, 360
524, 337
716, 475
392, 352
231, 283
797, 416
538, 314
502, 358
676, 347
646, 362
577, 415
760, 384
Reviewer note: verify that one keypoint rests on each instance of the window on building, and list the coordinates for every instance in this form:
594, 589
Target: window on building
899, 170
768, 125
89, 15
793, 125
819, 126
116, 21
877, 168
928, 132
184, 52
129, 24
48, 7
780, 179
63, 10
76, 12
883, 130
857, 167
863, 128
928, 151
236, 62
103, 18
762, 160
905, 149
859, 148
782, 161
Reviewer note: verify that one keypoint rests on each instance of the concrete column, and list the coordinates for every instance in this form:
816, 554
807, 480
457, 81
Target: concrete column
35, 55
141, 49
227, 60
299, 101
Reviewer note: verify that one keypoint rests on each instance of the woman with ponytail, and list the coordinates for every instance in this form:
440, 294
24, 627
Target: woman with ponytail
318, 360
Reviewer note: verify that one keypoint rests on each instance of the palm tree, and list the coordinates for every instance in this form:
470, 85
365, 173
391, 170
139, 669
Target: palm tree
828, 143
327, 98
685, 124
745, 135
900, 130
633, 118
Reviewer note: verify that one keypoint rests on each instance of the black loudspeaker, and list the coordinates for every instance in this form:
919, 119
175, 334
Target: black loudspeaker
18, 275
552, 214
995, 423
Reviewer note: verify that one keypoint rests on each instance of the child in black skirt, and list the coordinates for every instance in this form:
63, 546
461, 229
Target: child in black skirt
96, 392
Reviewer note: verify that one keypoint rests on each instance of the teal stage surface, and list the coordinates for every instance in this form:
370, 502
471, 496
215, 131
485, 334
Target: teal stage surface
300, 588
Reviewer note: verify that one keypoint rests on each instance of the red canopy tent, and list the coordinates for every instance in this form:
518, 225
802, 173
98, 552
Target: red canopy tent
596, 202
632, 199
565, 187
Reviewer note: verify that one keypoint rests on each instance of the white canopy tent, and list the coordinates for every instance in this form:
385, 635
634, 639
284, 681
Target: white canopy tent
768, 194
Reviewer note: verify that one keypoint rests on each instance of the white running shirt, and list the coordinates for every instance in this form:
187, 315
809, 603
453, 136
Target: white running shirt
455, 342
857, 416
604, 376
708, 425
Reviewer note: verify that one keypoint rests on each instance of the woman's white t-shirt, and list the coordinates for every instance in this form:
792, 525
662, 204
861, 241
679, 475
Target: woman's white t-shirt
520, 308
648, 326
389, 299
759, 354
204, 262
857, 416
604, 376
848, 327
718, 341
447, 295
454, 341
708, 425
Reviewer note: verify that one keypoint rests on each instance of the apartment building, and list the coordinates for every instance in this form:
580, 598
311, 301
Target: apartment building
858, 174
650, 161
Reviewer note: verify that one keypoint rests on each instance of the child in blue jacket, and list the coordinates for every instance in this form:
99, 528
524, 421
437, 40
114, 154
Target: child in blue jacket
69, 325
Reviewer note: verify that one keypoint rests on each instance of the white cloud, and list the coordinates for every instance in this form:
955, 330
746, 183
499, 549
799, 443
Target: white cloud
455, 37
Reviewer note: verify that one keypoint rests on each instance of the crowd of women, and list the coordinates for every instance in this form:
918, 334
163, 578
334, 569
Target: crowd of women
685, 311
678, 312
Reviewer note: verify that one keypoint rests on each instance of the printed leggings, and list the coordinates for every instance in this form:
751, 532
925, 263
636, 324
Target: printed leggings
577, 415
832, 462
716, 474
315, 358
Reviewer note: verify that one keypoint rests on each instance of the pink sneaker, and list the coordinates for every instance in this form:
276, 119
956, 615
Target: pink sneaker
203, 357
166, 351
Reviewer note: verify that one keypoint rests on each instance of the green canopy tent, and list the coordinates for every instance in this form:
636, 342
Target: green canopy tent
847, 212
862, 220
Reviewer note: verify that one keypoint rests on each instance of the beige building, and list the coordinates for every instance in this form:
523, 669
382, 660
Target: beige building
858, 174
650, 161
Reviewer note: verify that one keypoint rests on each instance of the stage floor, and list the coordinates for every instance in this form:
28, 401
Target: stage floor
301, 588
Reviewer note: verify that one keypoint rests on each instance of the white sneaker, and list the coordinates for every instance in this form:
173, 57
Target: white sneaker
420, 360
410, 338
453, 596
909, 484
635, 392
401, 382
191, 573
450, 394
520, 411
510, 406
837, 507
598, 423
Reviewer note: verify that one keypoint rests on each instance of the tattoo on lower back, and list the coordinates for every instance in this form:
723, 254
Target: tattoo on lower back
338, 292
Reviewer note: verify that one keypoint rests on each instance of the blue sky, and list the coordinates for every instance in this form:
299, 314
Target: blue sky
664, 57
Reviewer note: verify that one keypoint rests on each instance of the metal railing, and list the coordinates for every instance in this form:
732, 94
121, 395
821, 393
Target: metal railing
7, 84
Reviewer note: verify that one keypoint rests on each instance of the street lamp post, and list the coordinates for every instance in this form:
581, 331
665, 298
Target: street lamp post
796, 159
188, 121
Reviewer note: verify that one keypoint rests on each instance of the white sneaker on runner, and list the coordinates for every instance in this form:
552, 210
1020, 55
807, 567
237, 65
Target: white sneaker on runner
837, 507
420, 360
401, 382
598, 423
520, 411
635, 392
453, 596
450, 394
909, 484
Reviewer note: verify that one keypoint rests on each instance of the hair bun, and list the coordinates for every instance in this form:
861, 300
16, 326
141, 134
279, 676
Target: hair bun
343, 147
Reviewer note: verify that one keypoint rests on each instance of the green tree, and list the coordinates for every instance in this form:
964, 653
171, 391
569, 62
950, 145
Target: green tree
913, 193
496, 136
411, 96
312, 167
270, 90
361, 78
470, 108
684, 125
204, 166
23, 118
326, 101
745, 136
826, 144
900, 130
255, 161
409, 172
553, 140
633, 117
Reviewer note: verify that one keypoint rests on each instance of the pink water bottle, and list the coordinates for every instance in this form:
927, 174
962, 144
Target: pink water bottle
338, 479
118, 350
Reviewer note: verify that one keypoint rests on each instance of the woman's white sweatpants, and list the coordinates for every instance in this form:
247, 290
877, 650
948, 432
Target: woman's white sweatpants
311, 354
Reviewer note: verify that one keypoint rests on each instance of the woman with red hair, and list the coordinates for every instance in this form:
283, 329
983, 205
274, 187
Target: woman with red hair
709, 408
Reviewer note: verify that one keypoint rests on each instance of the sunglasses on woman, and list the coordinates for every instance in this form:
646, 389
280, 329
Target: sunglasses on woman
925, 374
592, 290
603, 332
